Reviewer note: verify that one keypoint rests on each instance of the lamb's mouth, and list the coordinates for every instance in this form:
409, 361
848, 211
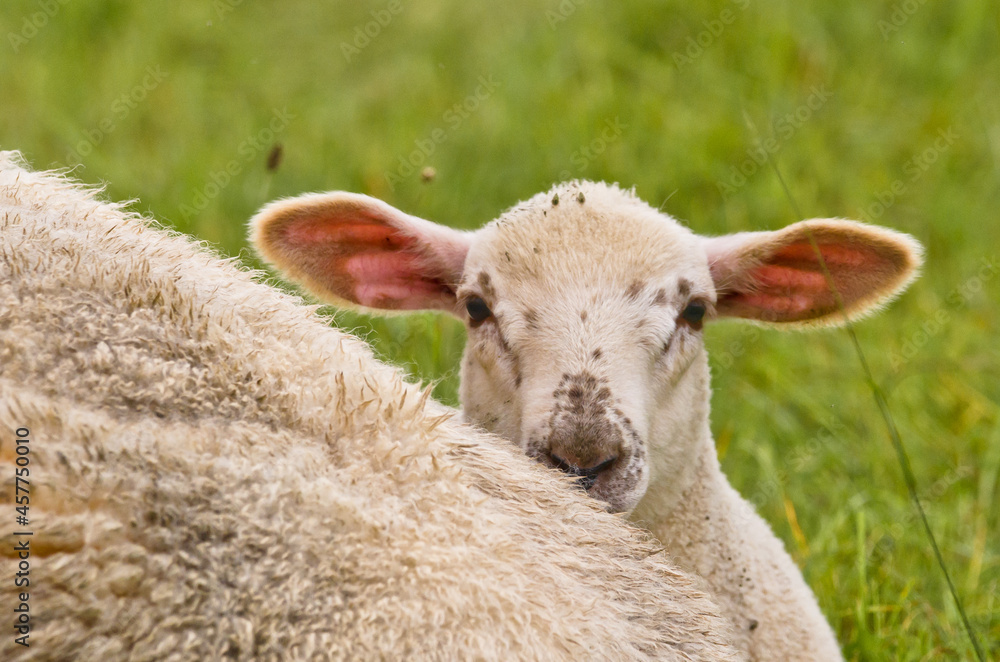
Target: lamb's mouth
620, 491
614, 482
587, 478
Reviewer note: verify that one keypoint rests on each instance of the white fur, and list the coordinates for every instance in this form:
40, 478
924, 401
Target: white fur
588, 356
217, 474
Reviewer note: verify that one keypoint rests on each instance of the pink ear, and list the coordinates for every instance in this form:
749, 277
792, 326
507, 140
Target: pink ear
777, 277
352, 248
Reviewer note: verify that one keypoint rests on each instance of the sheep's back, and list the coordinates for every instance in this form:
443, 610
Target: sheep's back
216, 473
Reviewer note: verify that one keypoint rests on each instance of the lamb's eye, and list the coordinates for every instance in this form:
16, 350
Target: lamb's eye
477, 309
694, 314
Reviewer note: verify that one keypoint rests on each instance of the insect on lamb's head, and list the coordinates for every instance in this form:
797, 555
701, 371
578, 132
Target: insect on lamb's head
584, 308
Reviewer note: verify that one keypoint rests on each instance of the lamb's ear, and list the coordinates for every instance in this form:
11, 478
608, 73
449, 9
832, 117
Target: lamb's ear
776, 276
350, 248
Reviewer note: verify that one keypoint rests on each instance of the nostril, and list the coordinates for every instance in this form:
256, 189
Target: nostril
563, 465
587, 475
603, 466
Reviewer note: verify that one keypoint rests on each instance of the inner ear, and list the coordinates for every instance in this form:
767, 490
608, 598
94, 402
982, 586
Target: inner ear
791, 286
778, 276
351, 248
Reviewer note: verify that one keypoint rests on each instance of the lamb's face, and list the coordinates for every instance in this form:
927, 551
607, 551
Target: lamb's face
584, 307
584, 318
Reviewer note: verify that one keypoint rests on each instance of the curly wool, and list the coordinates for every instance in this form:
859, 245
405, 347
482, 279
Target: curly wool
215, 473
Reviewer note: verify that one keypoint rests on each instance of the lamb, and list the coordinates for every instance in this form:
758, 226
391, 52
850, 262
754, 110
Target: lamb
584, 309
216, 473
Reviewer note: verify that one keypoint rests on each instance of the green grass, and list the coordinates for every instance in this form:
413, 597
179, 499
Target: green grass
795, 421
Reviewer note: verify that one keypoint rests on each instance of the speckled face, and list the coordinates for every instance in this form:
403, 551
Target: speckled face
584, 309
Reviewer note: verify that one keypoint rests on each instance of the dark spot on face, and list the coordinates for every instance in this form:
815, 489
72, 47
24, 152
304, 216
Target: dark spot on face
486, 286
555, 199
596, 353
635, 289
753, 624
583, 315
511, 356
588, 436
508, 255
684, 287
661, 297
503, 343
580, 198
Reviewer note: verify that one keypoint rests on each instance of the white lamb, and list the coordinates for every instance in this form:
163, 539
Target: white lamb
209, 471
584, 308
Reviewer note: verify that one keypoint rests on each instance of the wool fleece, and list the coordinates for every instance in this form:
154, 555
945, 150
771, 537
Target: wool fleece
213, 472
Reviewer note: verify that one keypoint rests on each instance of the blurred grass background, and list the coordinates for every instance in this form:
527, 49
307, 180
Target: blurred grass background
882, 111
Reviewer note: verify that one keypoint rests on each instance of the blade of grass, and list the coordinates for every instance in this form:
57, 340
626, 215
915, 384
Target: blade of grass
894, 436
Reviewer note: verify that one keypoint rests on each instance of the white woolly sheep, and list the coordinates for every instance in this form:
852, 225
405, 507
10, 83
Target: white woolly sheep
584, 308
216, 474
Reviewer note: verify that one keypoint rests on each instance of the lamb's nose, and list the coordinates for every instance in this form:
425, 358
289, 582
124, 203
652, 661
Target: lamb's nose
588, 474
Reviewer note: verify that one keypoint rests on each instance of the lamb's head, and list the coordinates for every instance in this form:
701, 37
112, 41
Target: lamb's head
584, 308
